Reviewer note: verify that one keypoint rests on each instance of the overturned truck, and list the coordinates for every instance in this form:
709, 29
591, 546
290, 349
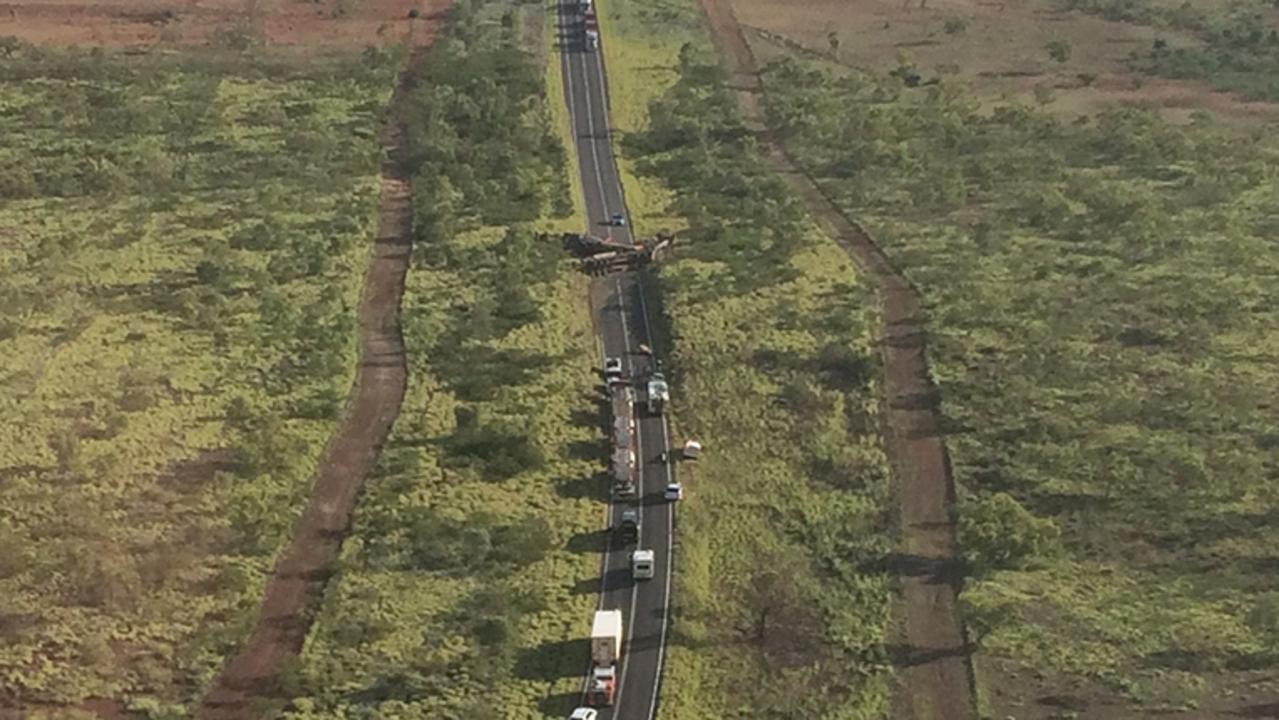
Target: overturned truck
601, 256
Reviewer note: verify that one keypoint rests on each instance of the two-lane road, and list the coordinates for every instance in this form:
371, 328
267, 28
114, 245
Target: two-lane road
622, 320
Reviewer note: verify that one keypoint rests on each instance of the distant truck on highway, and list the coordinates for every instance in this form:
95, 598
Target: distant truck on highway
592, 40
606, 651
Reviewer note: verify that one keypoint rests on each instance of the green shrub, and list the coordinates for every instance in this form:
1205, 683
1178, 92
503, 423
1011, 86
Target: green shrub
997, 533
1059, 50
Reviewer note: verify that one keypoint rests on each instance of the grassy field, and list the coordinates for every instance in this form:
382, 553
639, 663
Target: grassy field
779, 611
182, 240
468, 584
1102, 304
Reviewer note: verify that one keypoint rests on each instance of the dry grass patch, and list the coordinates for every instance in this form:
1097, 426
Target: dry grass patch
132, 23
1004, 49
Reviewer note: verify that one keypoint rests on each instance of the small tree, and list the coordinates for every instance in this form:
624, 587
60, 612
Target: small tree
996, 532
955, 25
1059, 50
984, 618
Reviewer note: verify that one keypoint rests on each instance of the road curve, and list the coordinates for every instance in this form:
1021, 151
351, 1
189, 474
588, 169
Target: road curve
622, 321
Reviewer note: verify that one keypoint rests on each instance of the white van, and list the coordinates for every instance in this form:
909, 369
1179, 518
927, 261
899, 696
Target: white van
642, 565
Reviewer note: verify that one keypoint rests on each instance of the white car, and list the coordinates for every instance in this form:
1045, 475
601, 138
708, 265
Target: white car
584, 714
612, 367
692, 450
674, 491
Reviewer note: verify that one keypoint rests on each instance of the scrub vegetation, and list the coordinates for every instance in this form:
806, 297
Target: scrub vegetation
469, 579
1103, 313
181, 244
782, 608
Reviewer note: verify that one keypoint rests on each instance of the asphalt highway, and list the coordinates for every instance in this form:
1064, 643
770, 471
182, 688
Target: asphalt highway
621, 319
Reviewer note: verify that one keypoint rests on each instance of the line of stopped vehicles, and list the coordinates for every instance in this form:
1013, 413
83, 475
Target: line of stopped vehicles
600, 256
590, 25
606, 629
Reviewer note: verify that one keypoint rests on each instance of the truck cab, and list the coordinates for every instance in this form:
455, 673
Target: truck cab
603, 686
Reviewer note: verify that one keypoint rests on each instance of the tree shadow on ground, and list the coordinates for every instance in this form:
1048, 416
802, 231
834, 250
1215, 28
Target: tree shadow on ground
903, 655
938, 571
1260, 710
1200, 661
1064, 702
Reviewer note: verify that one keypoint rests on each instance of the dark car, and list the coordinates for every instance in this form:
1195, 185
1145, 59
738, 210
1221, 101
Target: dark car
628, 528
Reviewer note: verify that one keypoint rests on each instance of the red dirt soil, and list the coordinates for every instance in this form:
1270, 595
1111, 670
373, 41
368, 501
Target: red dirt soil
132, 23
251, 679
935, 678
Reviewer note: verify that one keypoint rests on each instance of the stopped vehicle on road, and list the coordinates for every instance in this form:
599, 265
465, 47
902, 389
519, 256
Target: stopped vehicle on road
643, 565
606, 650
628, 527
658, 394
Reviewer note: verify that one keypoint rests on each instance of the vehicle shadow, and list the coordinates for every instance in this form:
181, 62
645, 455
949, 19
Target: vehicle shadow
553, 660
594, 541
594, 449
559, 704
588, 586
590, 486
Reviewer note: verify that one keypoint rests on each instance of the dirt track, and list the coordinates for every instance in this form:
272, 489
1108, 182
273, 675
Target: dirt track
143, 23
297, 585
935, 679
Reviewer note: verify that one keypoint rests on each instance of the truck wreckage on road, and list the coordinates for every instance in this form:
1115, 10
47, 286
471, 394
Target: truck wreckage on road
601, 256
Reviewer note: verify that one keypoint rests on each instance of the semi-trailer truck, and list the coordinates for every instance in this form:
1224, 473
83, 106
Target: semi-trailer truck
606, 650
